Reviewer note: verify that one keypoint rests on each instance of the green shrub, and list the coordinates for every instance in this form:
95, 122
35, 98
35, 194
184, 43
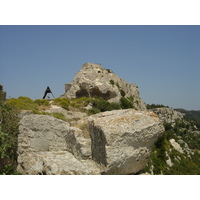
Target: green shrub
64, 103
102, 105
93, 111
115, 106
8, 138
112, 82
59, 116
109, 70
117, 84
122, 93
167, 126
22, 103
125, 103
151, 106
2, 94
41, 102
131, 98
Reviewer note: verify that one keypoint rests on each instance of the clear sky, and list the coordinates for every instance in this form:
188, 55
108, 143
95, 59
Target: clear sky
164, 61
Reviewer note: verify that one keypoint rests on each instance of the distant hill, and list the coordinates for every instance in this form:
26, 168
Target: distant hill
190, 114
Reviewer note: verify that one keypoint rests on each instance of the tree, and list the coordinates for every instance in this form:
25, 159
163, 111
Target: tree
9, 123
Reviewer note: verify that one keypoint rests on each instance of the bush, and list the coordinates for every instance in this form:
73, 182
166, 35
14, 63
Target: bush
115, 106
93, 111
59, 116
8, 138
112, 82
41, 102
64, 103
122, 93
22, 103
2, 94
151, 106
131, 98
102, 105
125, 103
167, 126
117, 84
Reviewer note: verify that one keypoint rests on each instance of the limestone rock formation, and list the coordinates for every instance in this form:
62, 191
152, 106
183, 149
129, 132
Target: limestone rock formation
55, 163
122, 140
168, 115
120, 143
47, 145
93, 80
69, 115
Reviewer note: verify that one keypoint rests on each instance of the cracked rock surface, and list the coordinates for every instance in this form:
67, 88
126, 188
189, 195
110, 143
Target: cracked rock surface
93, 80
120, 143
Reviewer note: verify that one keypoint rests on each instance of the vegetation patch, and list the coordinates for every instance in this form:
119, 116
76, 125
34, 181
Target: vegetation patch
59, 116
101, 105
41, 102
191, 114
152, 106
125, 103
112, 82
9, 123
122, 93
64, 103
22, 103
182, 163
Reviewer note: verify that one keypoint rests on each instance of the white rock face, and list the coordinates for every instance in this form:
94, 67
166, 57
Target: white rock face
168, 115
93, 80
47, 145
122, 140
55, 163
168, 161
176, 145
120, 143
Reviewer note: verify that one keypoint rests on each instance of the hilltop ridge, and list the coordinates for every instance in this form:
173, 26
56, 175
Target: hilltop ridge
93, 80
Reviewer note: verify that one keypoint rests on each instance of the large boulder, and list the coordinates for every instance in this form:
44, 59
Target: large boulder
116, 142
122, 140
93, 80
55, 163
47, 145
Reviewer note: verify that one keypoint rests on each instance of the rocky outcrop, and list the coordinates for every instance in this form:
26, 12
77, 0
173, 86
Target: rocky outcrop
93, 80
122, 140
47, 145
168, 115
69, 115
55, 163
120, 143
184, 149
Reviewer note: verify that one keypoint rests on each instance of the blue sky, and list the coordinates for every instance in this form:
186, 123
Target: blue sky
164, 61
